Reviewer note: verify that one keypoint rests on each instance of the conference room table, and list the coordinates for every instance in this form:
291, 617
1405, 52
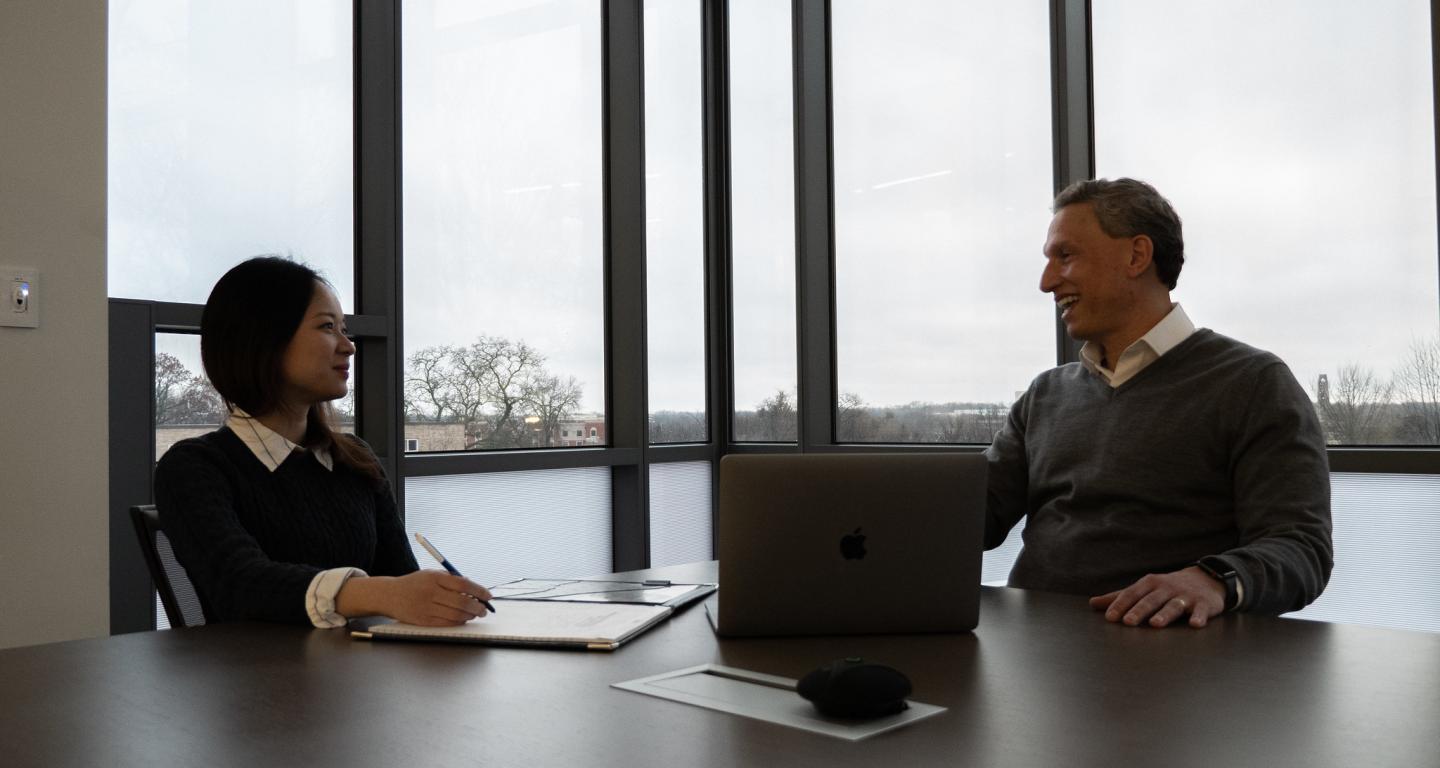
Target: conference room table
1043, 681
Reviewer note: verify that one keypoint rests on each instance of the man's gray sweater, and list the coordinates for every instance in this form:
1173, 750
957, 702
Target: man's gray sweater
1213, 449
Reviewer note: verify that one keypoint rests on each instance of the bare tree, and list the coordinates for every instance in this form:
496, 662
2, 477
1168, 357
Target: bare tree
497, 388
777, 418
679, 427
954, 428
200, 404
853, 421
1418, 384
466, 375
549, 400
505, 369
1355, 410
429, 385
172, 379
181, 397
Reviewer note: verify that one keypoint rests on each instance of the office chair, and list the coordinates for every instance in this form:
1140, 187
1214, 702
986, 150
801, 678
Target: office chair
177, 594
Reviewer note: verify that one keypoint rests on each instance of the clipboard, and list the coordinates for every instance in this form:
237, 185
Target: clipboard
536, 624
651, 592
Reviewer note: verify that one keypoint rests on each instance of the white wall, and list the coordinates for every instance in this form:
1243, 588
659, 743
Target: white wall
54, 458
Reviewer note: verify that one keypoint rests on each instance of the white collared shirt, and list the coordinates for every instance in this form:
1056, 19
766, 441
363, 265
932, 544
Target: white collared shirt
1167, 334
269, 446
272, 449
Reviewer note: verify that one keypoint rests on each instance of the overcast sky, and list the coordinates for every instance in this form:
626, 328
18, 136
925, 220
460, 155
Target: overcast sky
1295, 139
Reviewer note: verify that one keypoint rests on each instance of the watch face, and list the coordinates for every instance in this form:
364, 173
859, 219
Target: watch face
1217, 568
1223, 573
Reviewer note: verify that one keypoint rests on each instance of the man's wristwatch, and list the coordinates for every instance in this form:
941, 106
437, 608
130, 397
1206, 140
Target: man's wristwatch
1221, 571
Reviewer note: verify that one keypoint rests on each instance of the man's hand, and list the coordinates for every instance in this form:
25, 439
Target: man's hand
1161, 598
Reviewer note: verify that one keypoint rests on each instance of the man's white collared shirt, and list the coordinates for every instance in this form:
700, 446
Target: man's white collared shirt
1174, 328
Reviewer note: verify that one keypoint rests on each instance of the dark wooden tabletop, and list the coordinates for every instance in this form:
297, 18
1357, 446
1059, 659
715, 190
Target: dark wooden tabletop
1042, 682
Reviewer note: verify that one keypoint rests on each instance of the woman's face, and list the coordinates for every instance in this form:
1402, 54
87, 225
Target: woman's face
316, 365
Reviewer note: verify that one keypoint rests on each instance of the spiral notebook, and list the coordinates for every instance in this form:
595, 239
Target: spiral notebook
541, 624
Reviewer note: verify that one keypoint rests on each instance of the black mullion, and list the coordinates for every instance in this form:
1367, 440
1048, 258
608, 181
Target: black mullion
814, 226
132, 460
666, 454
479, 462
625, 299
1435, 98
380, 419
1073, 117
719, 328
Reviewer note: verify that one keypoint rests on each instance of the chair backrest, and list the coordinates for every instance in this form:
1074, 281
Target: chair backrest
177, 594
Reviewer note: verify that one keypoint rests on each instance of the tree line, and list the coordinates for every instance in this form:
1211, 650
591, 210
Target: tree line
1362, 407
775, 419
498, 389
503, 395
183, 397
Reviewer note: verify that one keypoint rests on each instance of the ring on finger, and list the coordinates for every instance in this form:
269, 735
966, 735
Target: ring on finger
1181, 601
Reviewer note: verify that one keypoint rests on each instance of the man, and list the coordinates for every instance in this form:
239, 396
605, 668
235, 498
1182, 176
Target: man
1173, 472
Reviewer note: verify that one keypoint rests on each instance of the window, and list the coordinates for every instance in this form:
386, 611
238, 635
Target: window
943, 173
501, 526
229, 136
503, 325
680, 530
1297, 142
762, 211
185, 405
1386, 573
675, 221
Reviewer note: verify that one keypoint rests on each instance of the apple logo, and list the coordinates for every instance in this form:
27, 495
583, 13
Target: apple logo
852, 545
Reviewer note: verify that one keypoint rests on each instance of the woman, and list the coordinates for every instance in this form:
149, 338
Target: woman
276, 516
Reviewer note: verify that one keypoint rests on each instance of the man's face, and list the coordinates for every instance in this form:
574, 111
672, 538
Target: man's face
1089, 274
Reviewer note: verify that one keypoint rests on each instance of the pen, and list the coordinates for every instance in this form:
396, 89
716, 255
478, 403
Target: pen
439, 558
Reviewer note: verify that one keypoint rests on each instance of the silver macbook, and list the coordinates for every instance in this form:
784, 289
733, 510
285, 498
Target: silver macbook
849, 543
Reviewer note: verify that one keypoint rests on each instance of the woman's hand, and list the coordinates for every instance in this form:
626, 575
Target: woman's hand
425, 598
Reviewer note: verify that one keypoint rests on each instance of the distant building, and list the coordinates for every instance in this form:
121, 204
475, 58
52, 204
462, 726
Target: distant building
434, 436
167, 435
581, 429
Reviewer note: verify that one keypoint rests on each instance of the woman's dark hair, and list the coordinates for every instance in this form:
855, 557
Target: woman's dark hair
249, 320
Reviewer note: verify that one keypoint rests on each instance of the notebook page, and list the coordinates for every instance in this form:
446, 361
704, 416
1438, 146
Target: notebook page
544, 622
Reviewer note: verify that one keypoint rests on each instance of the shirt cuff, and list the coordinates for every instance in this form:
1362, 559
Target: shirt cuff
320, 597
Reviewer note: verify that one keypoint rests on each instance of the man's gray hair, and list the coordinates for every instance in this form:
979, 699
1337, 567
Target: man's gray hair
1126, 208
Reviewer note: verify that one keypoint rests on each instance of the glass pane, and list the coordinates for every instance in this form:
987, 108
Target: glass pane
995, 566
1387, 535
675, 220
1297, 141
680, 525
185, 403
187, 406
230, 130
943, 177
762, 210
504, 233
501, 526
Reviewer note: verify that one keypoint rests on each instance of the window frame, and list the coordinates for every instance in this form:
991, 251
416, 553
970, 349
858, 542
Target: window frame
379, 281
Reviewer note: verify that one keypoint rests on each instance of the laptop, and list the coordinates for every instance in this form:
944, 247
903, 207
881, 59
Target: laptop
849, 543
